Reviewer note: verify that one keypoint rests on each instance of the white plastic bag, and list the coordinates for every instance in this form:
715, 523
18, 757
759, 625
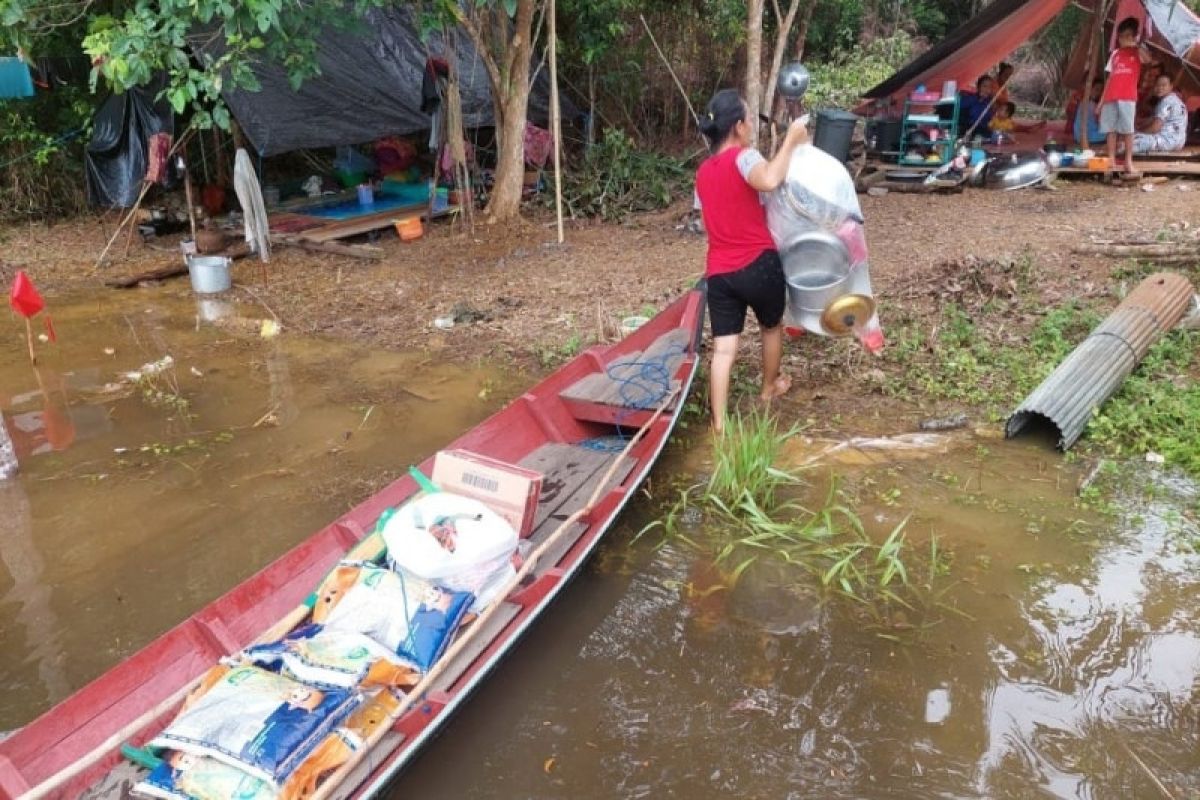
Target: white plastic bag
455, 541
818, 192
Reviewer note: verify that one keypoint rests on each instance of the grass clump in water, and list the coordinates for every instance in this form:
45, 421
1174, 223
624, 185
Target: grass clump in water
746, 516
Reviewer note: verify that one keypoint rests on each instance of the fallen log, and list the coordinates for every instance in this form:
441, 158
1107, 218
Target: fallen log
1143, 250
336, 248
161, 274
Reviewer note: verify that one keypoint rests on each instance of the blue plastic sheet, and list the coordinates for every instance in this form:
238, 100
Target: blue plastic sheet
15, 80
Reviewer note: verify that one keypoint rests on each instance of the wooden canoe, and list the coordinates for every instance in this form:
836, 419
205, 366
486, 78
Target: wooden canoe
74, 750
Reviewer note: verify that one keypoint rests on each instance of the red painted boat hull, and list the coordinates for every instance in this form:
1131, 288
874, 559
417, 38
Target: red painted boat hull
87, 722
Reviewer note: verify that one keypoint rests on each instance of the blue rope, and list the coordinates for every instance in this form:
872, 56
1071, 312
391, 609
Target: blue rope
66, 137
643, 382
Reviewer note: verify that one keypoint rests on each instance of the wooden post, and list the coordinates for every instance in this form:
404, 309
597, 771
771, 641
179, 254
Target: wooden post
29, 341
555, 118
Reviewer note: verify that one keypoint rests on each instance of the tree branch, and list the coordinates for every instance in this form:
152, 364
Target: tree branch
481, 47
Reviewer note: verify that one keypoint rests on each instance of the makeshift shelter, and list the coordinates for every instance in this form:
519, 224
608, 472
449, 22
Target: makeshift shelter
370, 87
975, 47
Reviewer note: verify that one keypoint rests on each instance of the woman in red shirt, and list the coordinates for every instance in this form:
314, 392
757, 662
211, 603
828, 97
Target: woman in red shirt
743, 267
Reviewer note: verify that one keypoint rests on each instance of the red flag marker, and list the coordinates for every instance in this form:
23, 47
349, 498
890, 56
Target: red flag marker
24, 297
26, 301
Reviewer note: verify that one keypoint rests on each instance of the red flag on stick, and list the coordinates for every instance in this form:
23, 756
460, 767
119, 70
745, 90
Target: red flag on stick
27, 302
24, 296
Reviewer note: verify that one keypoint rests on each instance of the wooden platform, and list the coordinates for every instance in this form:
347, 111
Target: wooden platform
323, 229
628, 390
1170, 169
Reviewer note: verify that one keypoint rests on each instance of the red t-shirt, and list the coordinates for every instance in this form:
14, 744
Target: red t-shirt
734, 215
1124, 72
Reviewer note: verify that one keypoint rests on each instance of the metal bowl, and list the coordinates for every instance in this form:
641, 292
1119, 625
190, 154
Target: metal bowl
1017, 171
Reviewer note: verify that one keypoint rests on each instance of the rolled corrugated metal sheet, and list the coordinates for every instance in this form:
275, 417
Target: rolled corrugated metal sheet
1096, 369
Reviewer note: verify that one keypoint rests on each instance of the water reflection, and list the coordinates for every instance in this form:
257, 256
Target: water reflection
1070, 670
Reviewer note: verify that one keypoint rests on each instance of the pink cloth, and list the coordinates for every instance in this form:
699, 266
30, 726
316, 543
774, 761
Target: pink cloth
158, 150
538, 143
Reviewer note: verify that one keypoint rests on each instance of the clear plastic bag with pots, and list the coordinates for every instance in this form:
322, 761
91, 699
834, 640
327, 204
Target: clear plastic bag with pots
817, 223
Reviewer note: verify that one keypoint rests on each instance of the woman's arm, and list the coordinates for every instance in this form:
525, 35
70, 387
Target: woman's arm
767, 176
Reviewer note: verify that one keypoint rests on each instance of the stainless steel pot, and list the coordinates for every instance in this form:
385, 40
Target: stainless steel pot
1017, 171
817, 269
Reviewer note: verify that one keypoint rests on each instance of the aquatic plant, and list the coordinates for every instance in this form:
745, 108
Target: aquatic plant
750, 512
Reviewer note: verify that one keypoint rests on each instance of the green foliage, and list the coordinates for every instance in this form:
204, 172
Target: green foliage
744, 458
840, 81
203, 46
41, 154
617, 178
746, 519
1156, 408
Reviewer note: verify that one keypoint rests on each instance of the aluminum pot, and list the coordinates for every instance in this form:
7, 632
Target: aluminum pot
1017, 171
817, 269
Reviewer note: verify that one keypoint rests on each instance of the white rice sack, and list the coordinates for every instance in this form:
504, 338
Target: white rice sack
455, 541
262, 723
335, 658
413, 618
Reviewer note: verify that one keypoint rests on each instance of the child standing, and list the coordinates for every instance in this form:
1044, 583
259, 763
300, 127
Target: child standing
1119, 103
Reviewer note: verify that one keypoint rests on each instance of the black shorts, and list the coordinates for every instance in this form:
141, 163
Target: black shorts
759, 285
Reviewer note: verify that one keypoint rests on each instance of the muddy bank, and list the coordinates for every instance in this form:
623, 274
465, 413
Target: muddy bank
529, 303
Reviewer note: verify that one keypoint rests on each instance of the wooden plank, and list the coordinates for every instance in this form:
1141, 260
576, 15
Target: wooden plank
565, 467
1168, 168
162, 274
479, 642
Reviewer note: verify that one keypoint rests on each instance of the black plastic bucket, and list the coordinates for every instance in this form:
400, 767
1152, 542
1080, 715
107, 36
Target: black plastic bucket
835, 130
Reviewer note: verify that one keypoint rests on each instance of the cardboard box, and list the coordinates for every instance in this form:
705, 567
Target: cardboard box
509, 490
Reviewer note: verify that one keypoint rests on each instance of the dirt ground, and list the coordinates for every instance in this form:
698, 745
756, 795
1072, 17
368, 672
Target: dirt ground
523, 299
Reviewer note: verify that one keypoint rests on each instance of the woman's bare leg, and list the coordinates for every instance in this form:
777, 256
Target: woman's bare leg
724, 354
774, 383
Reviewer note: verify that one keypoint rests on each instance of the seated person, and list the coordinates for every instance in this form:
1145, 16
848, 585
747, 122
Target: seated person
1147, 101
975, 109
1086, 125
1167, 129
1004, 74
1004, 120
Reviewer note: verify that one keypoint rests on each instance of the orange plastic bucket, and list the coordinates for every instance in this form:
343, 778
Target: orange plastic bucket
410, 229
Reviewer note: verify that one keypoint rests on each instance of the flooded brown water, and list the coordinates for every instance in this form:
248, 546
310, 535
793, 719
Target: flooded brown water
1068, 666
137, 503
1069, 670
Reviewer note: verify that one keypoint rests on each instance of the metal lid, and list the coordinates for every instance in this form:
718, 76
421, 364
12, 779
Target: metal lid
846, 313
793, 80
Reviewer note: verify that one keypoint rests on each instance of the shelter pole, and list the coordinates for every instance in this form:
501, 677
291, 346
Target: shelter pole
1099, 12
555, 118
187, 193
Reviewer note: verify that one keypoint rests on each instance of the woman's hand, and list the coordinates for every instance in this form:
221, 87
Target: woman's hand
797, 132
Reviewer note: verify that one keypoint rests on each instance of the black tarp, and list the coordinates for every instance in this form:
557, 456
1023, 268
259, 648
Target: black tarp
115, 159
369, 87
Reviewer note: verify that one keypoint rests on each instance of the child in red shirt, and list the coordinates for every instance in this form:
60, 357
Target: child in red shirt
743, 269
1118, 107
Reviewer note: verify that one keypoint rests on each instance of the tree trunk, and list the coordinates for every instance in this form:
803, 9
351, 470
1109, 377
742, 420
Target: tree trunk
512, 108
505, 201
802, 28
783, 25
753, 90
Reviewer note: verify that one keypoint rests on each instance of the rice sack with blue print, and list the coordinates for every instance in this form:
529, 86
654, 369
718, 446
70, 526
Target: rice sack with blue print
183, 776
413, 618
262, 723
454, 541
320, 656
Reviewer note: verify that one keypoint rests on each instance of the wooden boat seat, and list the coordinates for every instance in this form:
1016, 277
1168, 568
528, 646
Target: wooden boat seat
630, 388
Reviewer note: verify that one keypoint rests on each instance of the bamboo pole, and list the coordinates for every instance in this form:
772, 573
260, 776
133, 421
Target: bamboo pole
333, 783
29, 341
555, 117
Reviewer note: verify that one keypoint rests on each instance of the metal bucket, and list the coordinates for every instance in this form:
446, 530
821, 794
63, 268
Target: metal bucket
209, 274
